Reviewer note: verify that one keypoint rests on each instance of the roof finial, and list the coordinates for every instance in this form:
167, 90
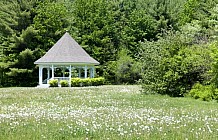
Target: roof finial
66, 31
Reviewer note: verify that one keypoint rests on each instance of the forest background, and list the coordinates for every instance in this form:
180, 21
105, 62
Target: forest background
167, 46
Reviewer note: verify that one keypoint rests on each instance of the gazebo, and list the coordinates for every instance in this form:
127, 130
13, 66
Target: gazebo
66, 59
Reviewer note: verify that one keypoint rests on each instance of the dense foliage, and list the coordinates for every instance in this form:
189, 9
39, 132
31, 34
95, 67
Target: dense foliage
181, 58
167, 45
203, 92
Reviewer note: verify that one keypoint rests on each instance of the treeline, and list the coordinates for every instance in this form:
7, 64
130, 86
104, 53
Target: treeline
167, 45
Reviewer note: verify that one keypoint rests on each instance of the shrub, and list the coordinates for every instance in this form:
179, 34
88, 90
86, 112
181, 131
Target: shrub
98, 81
125, 70
215, 94
203, 92
53, 83
171, 66
84, 82
64, 83
76, 82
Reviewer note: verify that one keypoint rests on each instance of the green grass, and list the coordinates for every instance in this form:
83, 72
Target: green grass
105, 112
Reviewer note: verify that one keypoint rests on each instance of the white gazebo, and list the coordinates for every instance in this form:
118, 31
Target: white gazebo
66, 59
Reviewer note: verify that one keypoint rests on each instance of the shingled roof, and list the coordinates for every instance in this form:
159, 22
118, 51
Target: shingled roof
67, 50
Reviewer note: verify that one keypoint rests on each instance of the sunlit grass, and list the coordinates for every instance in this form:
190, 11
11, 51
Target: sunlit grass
106, 112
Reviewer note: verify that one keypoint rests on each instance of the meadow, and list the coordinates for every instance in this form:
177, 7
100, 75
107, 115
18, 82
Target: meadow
104, 112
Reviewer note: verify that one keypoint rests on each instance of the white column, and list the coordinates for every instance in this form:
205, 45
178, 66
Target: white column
85, 72
93, 72
52, 72
70, 75
48, 73
63, 72
40, 74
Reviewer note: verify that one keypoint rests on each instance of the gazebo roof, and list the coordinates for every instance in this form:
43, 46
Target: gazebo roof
66, 50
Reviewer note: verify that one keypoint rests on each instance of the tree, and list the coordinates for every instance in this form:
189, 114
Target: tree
106, 28
125, 69
96, 28
139, 27
196, 10
51, 22
172, 66
12, 16
20, 73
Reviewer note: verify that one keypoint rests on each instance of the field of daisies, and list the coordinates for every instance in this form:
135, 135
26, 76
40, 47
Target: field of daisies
105, 112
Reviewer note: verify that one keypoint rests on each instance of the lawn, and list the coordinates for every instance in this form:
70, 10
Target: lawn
105, 112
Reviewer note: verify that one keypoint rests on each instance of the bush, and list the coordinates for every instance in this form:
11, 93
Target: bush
77, 82
204, 92
172, 67
64, 83
98, 81
125, 70
85, 82
215, 94
53, 83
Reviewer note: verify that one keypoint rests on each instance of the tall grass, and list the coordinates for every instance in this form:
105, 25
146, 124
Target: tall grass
106, 112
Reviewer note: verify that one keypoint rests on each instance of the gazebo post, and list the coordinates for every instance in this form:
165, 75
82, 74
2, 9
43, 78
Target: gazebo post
52, 71
93, 72
40, 74
85, 72
70, 75
48, 75
63, 70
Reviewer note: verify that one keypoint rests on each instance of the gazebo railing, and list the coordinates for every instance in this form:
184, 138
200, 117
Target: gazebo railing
46, 81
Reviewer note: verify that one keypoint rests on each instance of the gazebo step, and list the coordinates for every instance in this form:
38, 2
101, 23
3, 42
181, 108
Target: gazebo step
43, 86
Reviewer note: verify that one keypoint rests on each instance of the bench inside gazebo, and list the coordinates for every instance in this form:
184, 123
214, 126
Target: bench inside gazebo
66, 59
